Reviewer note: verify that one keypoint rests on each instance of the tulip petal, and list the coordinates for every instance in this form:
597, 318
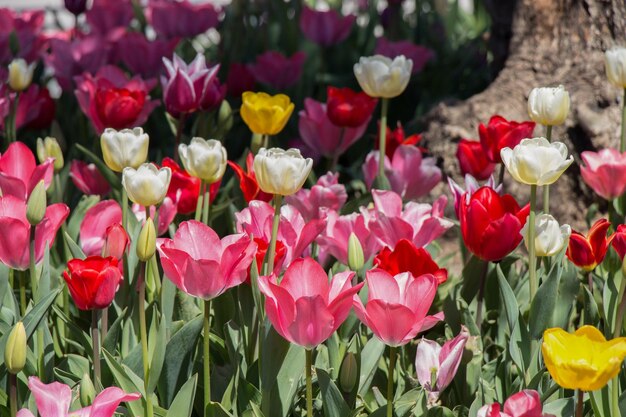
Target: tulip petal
105, 403
14, 243
394, 322
306, 278
95, 224
313, 322
53, 400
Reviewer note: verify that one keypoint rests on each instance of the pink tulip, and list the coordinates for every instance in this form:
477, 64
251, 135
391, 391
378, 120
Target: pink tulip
397, 306
327, 27
526, 403
326, 194
88, 179
116, 242
605, 172
27, 29
471, 186
15, 231
19, 173
107, 15
167, 212
438, 365
420, 55
304, 307
201, 265
418, 223
181, 19
277, 70
93, 229
55, 399
143, 56
320, 134
294, 233
409, 173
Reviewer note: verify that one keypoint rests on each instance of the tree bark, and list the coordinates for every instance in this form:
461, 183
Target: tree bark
552, 42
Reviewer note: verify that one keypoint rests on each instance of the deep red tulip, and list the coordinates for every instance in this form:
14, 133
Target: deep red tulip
619, 240
348, 108
247, 181
76, 7
261, 251
501, 133
491, 223
88, 179
93, 281
35, 108
587, 252
406, 257
397, 137
473, 161
119, 107
184, 189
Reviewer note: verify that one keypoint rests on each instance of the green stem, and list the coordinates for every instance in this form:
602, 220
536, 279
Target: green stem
124, 204
501, 176
579, 403
382, 138
207, 356
532, 259
104, 323
309, 384
481, 296
546, 188
278, 200
622, 142
34, 280
198, 215
392, 365
206, 204
95, 342
22, 283
615, 411
11, 128
13, 393
57, 188
617, 330
144, 339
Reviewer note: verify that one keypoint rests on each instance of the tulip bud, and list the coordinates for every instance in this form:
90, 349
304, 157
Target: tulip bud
126, 148
281, 172
355, 253
20, 74
37, 203
49, 148
225, 116
147, 185
116, 241
548, 106
204, 159
15, 349
146, 243
615, 65
348, 375
624, 268
87, 391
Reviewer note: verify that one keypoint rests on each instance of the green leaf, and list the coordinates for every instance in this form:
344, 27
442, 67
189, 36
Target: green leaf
157, 354
563, 407
542, 307
472, 275
370, 356
127, 381
510, 302
216, 410
182, 406
592, 316
77, 252
78, 214
333, 402
109, 175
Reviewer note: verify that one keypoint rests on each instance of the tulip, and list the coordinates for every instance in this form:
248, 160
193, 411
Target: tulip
147, 185
325, 27
436, 365
281, 172
124, 148
19, 173
115, 243
88, 179
87, 390
15, 349
204, 159
181, 19
619, 241
142, 56
548, 106
383, 77
35, 109
550, 238
76, 7
526, 403
615, 64
55, 399
49, 148
265, 114
247, 181
473, 160
500, 133
105, 16
36, 204
406, 257
71, 58
146, 242
348, 108
605, 172
418, 54
395, 138
471, 186
93, 281
356, 259
536, 161
327, 194
20, 74
587, 252
185, 189
277, 70
239, 79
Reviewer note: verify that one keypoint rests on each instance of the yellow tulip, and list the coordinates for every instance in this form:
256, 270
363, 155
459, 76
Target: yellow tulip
584, 360
265, 114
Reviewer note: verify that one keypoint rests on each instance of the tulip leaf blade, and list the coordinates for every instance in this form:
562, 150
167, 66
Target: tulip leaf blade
562, 407
542, 307
76, 251
334, 404
510, 302
158, 351
182, 405
370, 356
125, 382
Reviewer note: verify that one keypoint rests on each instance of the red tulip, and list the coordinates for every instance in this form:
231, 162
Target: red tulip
261, 251
406, 257
184, 189
526, 403
247, 181
619, 240
491, 223
397, 137
501, 133
93, 281
587, 252
348, 108
473, 161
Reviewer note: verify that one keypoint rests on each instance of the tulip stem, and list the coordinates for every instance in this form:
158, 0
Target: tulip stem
179, 133
206, 356
546, 188
206, 203
124, 204
309, 384
13, 393
532, 259
34, 279
198, 215
11, 129
615, 411
96, 347
22, 281
278, 200
382, 137
481, 296
622, 142
619, 318
144, 338
579, 403
104, 323
392, 365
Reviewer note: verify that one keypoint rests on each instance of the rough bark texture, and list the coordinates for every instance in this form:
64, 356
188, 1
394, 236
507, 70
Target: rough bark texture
551, 42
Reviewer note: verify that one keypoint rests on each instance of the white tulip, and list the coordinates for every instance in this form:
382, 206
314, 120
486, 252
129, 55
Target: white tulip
126, 148
548, 105
280, 171
615, 64
380, 76
204, 159
536, 161
147, 185
20, 74
550, 237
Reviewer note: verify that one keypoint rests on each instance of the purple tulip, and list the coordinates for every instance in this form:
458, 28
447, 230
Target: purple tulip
277, 70
107, 15
180, 19
143, 56
420, 55
327, 27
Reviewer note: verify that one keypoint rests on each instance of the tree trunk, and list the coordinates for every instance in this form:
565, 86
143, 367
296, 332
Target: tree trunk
552, 42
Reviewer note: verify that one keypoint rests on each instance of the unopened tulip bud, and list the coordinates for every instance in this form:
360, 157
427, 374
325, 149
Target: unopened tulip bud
356, 258
116, 241
15, 349
348, 375
37, 203
87, 391
20, 74
50, 148
225, 116
146, 243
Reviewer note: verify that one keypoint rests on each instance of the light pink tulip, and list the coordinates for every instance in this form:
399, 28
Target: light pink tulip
439, 363
326, 194
325, 27
55, 399
202, 265
409, 173
167, 212
418, 223
471, 185
605, 172
93, 229
526, 403
397, 306
88, 179
115, 243
320, 134
19, 173
304, 307
15, 231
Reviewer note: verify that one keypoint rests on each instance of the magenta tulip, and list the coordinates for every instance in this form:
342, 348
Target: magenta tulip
202, 265
88, 179
304, 307
420, 55
143, 56
181, 19
277, 70
397, 306
327, 194
325, 27
104, 16
605, 172
19, 172
526, 403
93, 229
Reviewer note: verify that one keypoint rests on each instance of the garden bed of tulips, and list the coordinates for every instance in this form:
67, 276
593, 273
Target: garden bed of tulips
185, 231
